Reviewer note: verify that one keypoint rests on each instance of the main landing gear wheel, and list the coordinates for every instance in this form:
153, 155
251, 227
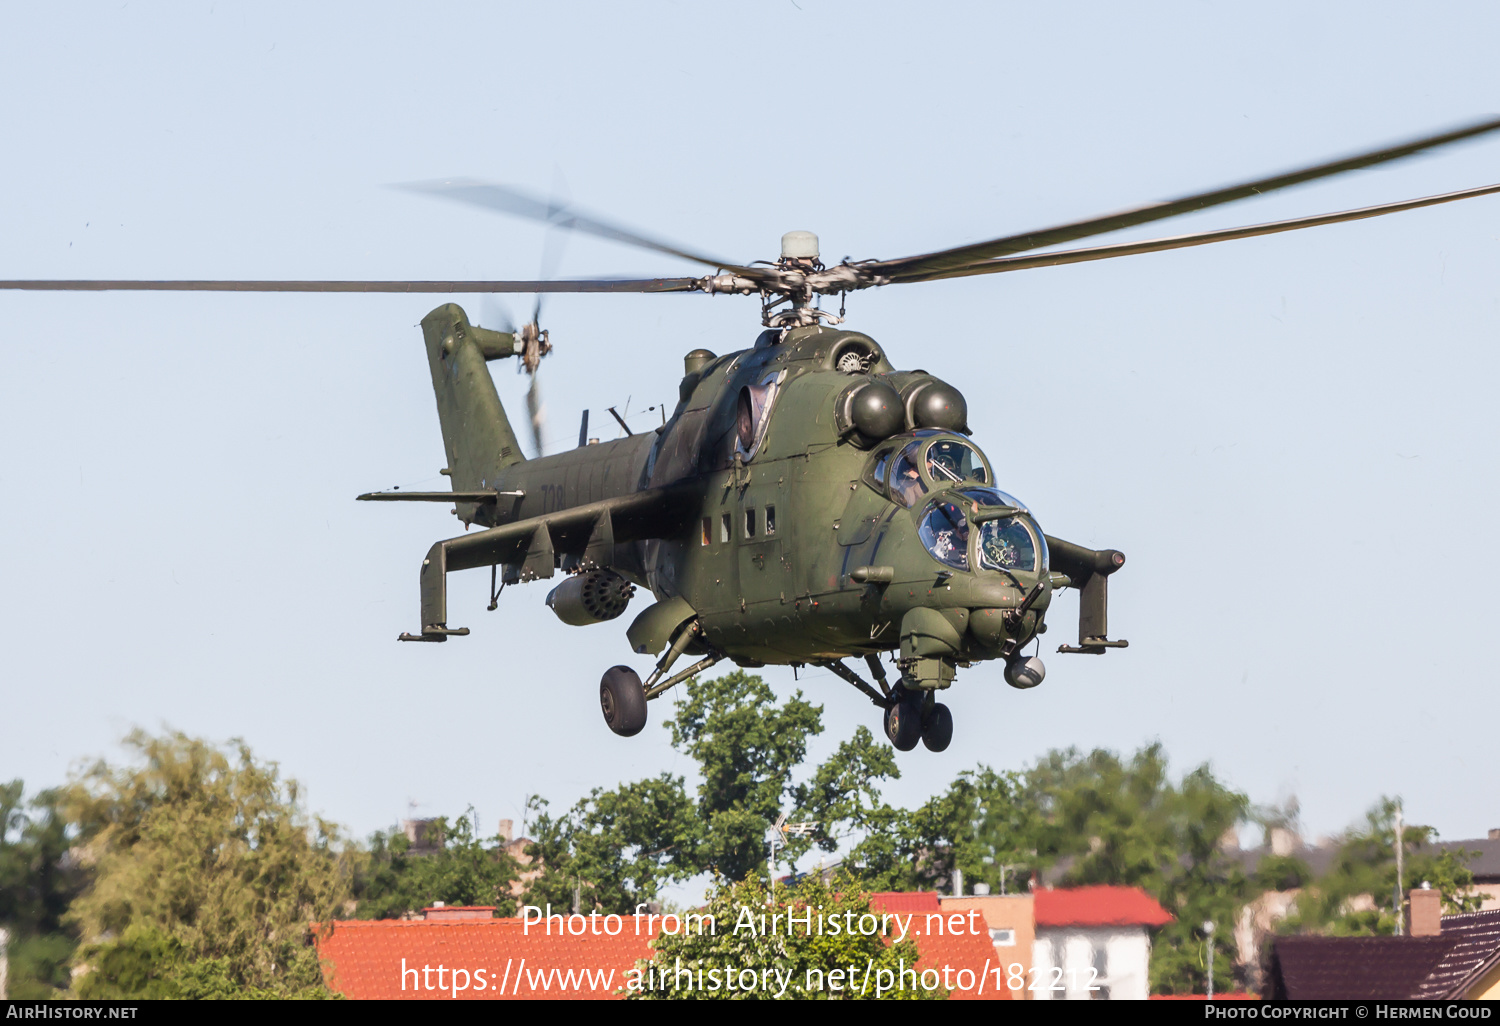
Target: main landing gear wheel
937, 727
623, 700
903, 722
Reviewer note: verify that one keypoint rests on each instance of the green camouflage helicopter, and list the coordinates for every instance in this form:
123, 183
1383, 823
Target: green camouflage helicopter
806, 503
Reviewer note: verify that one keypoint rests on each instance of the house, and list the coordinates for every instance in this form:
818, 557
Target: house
1444, 958
465, 953
1258, 919
1074, 943
945, 937
1011, 921
1484, 863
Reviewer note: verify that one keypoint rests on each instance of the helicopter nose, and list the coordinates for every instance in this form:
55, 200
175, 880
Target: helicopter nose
988, 627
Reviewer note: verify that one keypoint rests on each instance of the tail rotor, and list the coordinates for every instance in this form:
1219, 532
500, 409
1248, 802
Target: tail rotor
533, 344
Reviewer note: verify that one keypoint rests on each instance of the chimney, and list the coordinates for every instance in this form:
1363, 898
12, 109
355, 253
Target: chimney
421, 834
1284, 841
507, 831
437, 912
1426, 911
1495, 833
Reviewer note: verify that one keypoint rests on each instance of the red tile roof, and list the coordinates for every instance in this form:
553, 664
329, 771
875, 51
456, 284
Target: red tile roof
390, 958
948, 942
393, 958
1098, 906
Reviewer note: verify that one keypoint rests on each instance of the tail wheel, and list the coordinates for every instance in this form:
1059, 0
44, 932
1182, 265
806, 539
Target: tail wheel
903, 722
623, 701
937, 728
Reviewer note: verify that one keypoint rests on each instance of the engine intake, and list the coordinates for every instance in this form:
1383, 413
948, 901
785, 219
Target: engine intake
593, 596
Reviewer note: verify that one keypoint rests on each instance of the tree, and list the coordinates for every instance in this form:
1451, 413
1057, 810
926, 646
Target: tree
747, 749
615, 848
392, 879
796, 960
982, 825
1357, 895
206, 875
38, 880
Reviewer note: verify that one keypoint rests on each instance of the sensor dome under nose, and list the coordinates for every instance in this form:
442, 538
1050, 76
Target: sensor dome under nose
1025, 673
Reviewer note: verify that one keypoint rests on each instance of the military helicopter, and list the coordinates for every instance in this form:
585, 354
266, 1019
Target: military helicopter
806, 503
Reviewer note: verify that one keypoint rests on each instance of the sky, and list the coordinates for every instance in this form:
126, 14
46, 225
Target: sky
1292, 438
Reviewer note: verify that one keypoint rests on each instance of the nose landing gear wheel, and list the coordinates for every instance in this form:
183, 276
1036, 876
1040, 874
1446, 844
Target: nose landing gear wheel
937, 728
623, 701
903, 722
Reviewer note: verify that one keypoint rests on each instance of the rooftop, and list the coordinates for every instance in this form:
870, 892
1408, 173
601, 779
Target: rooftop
400, 958
1098, 906
1476, 946
1353, 968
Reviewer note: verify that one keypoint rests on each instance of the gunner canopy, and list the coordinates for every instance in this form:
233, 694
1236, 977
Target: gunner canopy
1011, 544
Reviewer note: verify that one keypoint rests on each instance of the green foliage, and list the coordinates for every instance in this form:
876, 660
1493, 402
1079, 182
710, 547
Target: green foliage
982, 825
462, 869
146, 963
37, 882
803, 958
843, 798
206, 874
747, 749
614, 849
1281, 873
1364, 873
617, 847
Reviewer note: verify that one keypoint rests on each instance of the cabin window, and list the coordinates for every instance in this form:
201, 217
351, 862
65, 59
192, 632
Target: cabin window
724, 529
770, 520
750, 522
708, 529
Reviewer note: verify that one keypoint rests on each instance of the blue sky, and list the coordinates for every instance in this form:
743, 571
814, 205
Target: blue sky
1293, 438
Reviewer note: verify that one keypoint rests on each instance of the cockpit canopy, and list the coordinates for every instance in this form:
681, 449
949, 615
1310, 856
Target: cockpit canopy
1008, 543
932, 460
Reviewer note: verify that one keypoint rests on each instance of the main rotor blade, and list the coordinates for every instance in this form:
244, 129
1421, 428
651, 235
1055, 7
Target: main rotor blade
583, 285
1075, 256
511, 201
930, 265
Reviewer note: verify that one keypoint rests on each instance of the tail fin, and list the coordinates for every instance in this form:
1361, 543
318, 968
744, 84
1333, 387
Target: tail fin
477, 436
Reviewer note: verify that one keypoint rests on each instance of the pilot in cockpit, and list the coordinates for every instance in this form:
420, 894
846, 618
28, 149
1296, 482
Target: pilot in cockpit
907, 483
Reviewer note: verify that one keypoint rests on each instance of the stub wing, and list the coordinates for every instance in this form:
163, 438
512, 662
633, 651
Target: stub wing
1088, 570
531, 549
